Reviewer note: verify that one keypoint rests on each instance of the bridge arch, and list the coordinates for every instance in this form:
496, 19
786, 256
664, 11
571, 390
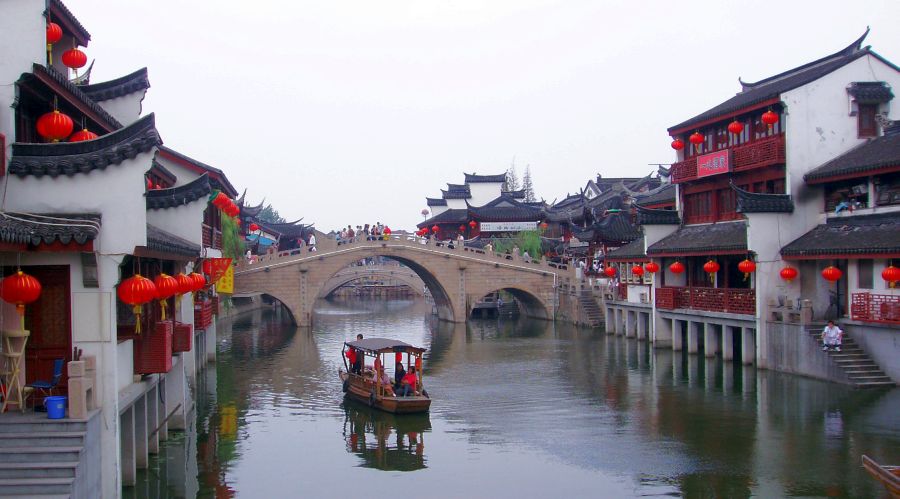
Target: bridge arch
399, 274
456, 277
531, 304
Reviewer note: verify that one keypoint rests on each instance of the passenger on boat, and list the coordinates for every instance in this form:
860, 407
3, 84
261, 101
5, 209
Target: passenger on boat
399, 373
358, 359
385, 381
409, 383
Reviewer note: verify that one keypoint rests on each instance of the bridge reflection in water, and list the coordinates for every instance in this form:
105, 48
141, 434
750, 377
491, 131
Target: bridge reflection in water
521, 408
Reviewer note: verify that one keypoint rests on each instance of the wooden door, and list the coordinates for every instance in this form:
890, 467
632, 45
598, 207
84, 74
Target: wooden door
50, 324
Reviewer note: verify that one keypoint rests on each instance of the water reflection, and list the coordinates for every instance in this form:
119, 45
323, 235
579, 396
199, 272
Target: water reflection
552, 408
385, 441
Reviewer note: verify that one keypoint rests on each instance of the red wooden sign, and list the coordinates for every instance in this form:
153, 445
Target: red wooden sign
714, 163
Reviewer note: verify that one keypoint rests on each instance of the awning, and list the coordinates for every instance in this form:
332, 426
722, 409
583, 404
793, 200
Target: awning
868, 236
723, 238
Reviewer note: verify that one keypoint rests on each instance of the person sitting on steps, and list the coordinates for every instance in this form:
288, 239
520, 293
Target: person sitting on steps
831, 337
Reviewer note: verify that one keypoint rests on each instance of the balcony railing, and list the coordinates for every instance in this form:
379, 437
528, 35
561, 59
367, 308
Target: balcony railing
212, 238
734, 301
870, 307
764, 152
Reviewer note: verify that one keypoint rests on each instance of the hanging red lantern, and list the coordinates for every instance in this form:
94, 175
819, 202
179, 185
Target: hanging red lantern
398, 357
54, 33
610, 271
149, 184
387, 231
544, 225
83, 135
788, 273
891, 274
770, 118
652, 267
832, 273
473, 224
736, 127
637, 270
20, 289
676, 268
185, 283
747, 266
55, 126
462, 228
435, 228
424, 230
166, 286
678, 144
136, 291
198, 282
253, 227
74, 58
711, 267
697, 138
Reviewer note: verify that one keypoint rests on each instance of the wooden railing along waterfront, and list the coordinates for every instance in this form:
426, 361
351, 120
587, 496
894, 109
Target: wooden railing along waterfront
871, 307
730, 300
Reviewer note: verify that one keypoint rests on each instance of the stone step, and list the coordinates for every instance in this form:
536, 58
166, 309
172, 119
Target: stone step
42, 426
856, 373
39, 454
48, 439
36, 496
867, 379
848, 364
51, 469
876, 384
844, 355
23, 486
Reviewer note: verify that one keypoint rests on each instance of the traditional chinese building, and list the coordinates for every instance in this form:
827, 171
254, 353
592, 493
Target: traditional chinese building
754, 175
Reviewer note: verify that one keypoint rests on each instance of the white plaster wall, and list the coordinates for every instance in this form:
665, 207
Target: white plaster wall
437, 210
456, 204
126, 109
183, 221
125, 357
182, 174
484, 192
117, 193
654, 233
22, 43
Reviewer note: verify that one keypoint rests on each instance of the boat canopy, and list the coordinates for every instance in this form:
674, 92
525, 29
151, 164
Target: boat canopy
383, 345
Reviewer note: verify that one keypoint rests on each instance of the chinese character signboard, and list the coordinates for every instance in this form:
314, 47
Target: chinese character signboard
226, 282
507, 226
713, 163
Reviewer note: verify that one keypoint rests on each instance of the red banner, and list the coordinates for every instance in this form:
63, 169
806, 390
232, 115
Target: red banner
215, 268
714, 163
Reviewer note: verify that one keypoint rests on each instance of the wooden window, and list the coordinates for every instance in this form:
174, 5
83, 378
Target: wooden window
727, 208
698, 208
846, 195
887, 189
864, 271
868, 127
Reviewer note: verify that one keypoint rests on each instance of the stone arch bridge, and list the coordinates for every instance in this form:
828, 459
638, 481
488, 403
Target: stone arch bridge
457, 277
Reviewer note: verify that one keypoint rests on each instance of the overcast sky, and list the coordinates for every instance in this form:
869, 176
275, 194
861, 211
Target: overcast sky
352, 112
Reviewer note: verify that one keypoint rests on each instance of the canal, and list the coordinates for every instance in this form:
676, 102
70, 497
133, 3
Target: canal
521, 409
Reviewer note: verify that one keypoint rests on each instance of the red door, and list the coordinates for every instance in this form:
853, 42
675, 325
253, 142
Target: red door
50, 324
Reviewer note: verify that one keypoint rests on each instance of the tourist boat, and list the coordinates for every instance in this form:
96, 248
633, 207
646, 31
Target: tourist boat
889, 476
365, 388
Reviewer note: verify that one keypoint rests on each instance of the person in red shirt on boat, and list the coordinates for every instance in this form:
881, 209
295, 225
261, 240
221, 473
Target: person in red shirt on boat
409, 383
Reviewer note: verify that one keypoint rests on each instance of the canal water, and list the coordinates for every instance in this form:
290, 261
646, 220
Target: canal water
520, 409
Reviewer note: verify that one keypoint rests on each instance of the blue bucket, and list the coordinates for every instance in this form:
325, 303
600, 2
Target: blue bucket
56, 407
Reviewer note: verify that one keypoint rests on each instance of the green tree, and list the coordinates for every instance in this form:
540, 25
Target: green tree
512, 179
270, 215
528, 185
232, 242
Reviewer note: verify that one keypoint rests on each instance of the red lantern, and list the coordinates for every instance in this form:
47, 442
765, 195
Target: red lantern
747, 267
54, 126
135, 291
652, 267
832, 273
74, 58
736, 127
253, 227
166, 286
711, 267
149, 184
678, 144
770, 118
610, 271
424, 230
387, 231
435, 228
891, 274
637, 270
20, 289
676, 268
473, 224
198, 282
185, 283
83, 135
697, 138
544, 225
398, 357
788, 274
462, 228
54, 33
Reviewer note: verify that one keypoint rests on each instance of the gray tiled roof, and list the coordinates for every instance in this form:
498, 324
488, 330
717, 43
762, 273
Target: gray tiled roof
867, 234
723, 236
177, 196
634, 249
754, 202
870, 92
648, 216
25, 228
166, 242
665, 195
436, 202
119, 87
875, 154
473, 178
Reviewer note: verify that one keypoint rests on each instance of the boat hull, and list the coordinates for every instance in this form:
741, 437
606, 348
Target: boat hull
889, 476
363, 390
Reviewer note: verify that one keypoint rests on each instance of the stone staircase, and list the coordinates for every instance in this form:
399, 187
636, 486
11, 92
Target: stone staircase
592, 313
862, 371
40, 457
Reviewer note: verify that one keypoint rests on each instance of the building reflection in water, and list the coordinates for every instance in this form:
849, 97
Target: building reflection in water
385, 441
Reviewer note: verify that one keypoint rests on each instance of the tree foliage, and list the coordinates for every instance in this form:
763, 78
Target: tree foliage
526, 240
528, 185
270, 215
232, 242
512, 179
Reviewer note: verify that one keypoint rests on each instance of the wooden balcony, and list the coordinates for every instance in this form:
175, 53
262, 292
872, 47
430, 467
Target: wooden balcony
212, 238
729, 300
757, 154
870, 307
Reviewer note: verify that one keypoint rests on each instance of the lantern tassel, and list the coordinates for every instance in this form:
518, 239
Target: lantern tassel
20, 309
137, 319
162, 305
